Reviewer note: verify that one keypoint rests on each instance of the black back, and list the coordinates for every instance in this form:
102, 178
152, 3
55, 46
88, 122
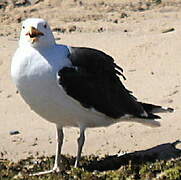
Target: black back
94, 82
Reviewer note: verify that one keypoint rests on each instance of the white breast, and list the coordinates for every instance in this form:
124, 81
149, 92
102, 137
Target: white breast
35, 74
35, 77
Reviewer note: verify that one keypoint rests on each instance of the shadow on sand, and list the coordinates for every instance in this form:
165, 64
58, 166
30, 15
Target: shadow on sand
161, 152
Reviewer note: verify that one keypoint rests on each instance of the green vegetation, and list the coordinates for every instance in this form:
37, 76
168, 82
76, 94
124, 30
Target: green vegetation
163, 169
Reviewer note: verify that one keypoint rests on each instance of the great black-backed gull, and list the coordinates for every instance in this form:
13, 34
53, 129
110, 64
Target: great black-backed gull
73, 86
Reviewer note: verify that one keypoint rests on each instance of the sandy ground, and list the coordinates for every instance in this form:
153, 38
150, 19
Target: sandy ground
151, 61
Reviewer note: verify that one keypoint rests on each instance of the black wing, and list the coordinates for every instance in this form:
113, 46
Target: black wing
94, 82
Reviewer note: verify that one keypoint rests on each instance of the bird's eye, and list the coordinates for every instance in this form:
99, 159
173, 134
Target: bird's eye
23, 27
45, 26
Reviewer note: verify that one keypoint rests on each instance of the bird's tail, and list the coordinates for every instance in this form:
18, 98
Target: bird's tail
150, 119
147, 122
150, 108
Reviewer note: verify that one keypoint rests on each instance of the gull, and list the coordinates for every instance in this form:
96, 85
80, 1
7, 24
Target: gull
73, 86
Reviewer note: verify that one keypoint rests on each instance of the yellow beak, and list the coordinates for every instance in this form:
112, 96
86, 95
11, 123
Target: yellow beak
33, 33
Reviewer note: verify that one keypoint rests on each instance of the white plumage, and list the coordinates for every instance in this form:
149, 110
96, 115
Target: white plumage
35, 67
34, 70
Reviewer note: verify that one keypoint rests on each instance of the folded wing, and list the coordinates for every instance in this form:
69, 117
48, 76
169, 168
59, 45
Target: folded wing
94, 81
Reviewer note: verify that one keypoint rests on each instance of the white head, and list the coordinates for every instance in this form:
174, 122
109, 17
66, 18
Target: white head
36, 33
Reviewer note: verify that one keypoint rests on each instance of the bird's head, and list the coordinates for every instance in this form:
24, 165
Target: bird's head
36, 33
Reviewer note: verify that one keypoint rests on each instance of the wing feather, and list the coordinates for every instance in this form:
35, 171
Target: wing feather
94, 82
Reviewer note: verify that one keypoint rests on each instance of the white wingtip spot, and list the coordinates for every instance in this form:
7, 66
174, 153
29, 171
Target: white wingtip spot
144, 114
